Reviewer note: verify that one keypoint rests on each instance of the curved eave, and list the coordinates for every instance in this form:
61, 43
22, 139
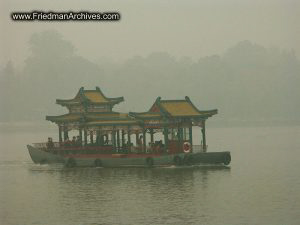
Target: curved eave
143, 115
67, 102
202, 114
208, 113
70, 102
116, 100
64, 118
110, 100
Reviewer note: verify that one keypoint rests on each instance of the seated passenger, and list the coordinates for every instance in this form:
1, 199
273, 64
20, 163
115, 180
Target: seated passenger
78, 141
50, 143
73, 142
106, 140
67, 142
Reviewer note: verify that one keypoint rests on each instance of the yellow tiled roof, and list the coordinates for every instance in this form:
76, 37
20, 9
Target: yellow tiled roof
92, 96
95, 96
65, 117
179, 108
149, 114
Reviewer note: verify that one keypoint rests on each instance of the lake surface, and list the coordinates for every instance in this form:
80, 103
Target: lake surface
261, 186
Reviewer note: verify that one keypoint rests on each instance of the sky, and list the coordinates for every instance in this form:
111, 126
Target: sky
194, 28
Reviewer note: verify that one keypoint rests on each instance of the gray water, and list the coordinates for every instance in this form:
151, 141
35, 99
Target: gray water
262, 185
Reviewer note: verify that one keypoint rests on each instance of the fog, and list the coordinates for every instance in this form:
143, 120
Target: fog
241, 57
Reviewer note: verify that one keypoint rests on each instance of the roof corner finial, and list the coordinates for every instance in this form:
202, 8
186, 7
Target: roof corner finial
81, 89
158, 99
187, 98
97, 88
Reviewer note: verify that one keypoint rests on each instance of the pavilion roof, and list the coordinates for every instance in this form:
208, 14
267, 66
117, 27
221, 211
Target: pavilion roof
174, 108
70, 117
90, 97
91, 117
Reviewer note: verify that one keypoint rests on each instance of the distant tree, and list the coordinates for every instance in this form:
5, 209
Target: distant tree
53, 70
7, 89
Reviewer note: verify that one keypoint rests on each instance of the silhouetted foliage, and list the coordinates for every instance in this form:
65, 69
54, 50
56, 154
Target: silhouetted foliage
247, 82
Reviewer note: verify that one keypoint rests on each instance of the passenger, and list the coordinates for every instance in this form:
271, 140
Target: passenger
140, 141
78, 141
67, 142
73, 142
50, 143
106, 139
98, 140
150, 147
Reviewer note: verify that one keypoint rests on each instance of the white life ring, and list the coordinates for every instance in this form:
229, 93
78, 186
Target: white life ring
186, 147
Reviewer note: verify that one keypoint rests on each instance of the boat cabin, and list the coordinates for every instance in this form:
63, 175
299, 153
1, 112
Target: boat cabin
167, 127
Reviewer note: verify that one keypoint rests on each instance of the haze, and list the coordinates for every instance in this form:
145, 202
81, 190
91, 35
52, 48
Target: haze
181, 28
241, 57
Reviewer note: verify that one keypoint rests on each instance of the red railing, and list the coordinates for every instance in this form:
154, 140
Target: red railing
132, 149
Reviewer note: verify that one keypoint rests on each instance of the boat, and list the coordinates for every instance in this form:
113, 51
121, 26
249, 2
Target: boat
161, 136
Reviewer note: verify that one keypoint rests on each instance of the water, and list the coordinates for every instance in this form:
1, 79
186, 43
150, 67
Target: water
262, 185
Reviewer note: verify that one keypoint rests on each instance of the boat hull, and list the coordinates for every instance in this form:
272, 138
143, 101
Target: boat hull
43, 157
126, 160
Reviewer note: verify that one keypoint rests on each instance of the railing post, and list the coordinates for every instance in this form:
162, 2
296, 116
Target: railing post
191, 136
66, 135
166, 138
144, 140
123, 138
80, 134
113, 136
60, 134
203, 137
151, 135
118, 139
85, 136
128, 139
137, 138
91, 137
